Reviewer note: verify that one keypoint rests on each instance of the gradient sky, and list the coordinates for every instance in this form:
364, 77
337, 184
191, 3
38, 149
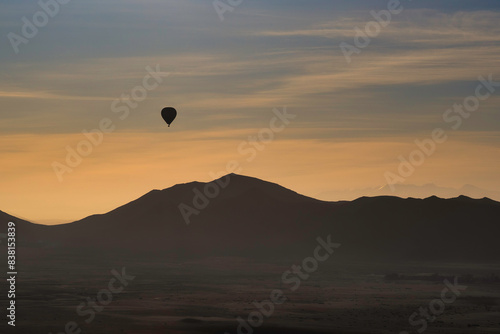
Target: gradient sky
353, 120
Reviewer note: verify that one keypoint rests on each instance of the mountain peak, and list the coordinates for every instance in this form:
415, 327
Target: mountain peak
231, 185
241, 177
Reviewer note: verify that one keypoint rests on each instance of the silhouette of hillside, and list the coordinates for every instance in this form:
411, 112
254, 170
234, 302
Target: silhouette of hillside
255, 218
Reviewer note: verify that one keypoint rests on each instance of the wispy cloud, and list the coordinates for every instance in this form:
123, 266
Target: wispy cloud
413, 26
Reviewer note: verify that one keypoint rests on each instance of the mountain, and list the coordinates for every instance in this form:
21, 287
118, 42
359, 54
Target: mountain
27, 230
248, 217
413, 191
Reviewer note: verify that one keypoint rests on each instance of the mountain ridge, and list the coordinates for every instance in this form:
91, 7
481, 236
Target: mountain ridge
250, 217
411, 191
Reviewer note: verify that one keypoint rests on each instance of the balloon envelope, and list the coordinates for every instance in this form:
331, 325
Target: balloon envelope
169, 114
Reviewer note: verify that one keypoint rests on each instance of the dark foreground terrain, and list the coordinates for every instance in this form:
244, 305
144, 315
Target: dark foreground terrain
207, 296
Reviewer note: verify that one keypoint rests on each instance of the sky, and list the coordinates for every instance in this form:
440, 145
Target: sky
348, 123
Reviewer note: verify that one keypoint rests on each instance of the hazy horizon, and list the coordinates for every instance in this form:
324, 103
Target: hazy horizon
405, 191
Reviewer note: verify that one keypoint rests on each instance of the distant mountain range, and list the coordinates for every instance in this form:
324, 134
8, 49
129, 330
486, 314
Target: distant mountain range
411, 191
253, 218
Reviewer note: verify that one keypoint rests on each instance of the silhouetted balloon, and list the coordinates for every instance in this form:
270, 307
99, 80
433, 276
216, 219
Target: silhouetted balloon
169, 115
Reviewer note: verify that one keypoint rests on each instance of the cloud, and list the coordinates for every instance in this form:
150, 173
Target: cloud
423, 26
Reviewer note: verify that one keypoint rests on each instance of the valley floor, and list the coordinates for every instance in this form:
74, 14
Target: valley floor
208, 296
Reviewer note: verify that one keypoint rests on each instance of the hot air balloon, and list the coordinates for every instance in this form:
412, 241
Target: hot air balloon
169, 115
